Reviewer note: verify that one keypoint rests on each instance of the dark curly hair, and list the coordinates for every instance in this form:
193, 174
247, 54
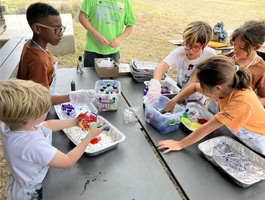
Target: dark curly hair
37, 11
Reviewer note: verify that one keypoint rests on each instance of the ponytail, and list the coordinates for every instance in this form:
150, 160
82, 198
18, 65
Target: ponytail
242, 78
220, 70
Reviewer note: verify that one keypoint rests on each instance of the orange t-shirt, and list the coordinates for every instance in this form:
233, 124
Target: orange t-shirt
243, 110
35, 65
257, 70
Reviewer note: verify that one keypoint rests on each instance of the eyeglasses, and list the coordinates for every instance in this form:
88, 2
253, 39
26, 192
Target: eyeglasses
57, 30
194, 48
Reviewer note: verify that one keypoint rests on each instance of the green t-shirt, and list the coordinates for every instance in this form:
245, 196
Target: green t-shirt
108, 18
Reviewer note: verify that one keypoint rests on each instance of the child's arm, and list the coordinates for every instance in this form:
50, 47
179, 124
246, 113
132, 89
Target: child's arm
60, 99
61, 160
116, 42
192, 79
160, 69
170, 105
194, 137
56, 125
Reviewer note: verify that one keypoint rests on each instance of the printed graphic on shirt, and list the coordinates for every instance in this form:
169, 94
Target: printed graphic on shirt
109, 12
184, 74
120, 5
228, 116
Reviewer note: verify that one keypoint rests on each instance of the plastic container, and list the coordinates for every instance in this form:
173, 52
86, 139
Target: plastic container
164, 123
109, 100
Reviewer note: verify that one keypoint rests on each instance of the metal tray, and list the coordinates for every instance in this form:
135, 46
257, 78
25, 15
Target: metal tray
174, 89
241, 164
109, 139
77, 109
196, 110
142, 70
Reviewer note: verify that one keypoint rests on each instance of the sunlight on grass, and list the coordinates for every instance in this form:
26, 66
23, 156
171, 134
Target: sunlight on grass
157, 21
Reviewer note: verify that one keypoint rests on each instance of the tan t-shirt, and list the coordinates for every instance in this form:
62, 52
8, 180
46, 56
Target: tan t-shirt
257, 70
35, 65
243, 110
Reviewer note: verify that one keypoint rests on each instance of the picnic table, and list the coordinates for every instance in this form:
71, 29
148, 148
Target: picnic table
136, 169
130, 171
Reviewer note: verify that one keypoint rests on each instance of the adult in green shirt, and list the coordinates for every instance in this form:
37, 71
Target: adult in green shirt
104, 21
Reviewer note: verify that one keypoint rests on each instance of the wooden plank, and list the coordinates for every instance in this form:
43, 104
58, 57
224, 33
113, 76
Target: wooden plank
12, 51
8, 48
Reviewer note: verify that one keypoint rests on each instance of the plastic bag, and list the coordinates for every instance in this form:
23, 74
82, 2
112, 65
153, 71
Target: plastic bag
131, 114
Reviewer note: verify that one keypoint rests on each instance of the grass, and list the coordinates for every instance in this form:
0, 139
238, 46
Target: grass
157, 22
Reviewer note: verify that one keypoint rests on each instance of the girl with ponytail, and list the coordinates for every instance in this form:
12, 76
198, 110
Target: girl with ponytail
240, 109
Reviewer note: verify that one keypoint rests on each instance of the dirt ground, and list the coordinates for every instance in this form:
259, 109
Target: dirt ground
159, 21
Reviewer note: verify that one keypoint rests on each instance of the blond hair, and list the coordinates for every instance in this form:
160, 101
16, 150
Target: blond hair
197, 31
21, 101
220, 70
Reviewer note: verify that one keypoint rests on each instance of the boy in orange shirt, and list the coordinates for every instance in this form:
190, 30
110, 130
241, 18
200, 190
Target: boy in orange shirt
37, 62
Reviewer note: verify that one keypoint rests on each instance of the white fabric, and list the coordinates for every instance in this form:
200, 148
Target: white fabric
252, 140
185, 67
53, 84
154, 91
82, 96
27, 155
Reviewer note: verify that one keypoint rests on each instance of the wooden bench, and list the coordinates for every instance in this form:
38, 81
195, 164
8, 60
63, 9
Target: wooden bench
10, 57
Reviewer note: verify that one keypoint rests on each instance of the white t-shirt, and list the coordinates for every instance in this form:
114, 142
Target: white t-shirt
26, 153
185, 66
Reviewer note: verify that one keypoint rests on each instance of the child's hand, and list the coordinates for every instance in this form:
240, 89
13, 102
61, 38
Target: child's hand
114, 43
171, 145
102, 40
169, 106
95, 131
154, 91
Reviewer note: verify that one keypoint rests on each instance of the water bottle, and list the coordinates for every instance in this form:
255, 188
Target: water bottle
80, 65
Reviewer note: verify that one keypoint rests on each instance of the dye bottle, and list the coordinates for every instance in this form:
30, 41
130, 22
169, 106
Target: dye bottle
109, 88
72, 86
80, 65
115, 90
101, 91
